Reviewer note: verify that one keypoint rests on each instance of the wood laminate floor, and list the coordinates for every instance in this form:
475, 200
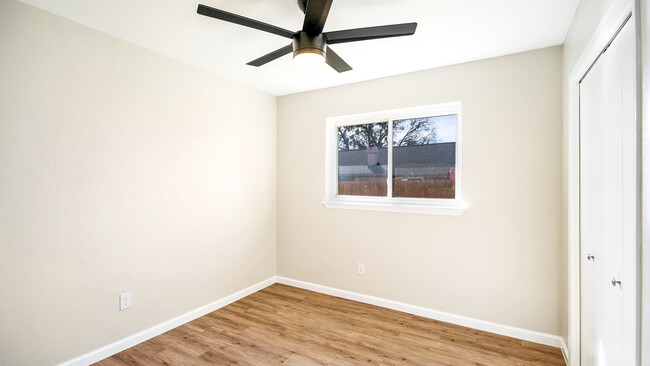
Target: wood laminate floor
283, 325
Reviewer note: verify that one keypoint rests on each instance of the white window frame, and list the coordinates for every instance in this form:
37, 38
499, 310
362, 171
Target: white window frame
440, 206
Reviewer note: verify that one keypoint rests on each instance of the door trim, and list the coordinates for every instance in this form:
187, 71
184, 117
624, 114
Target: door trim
610, 24
643, 110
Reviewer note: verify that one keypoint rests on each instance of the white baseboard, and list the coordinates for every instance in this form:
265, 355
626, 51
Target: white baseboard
130, 341
528, 335
565, 351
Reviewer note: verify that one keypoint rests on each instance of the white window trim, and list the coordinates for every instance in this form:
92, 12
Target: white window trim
454, 207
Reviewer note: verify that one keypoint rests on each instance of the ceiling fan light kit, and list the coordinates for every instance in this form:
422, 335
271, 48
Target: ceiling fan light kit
308, 60
309, 52
310, 45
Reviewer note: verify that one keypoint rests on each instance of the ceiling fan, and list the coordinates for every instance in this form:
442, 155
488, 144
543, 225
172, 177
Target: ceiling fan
310, 45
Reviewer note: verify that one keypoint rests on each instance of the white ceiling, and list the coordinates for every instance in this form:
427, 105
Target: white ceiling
449, 32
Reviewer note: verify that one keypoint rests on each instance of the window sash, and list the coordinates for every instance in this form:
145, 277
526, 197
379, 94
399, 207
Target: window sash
388, 202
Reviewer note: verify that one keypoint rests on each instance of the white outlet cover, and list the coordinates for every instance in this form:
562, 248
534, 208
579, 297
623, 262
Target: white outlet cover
125, 301
361, 268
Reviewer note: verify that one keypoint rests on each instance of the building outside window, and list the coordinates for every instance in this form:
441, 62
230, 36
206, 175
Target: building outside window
403, 160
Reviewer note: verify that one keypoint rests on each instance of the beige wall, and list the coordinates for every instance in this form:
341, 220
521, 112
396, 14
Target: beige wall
500, 260
121, 170
586, 20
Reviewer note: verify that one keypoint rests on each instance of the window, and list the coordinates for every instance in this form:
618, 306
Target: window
404, 160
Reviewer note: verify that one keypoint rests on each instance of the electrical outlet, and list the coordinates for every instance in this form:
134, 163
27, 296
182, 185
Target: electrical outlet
125, 301
361, 269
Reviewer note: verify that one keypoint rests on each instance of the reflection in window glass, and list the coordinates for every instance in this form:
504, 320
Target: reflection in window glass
363, 159
424, 157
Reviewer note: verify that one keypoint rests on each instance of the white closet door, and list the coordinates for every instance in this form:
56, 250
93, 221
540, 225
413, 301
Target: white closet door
608, 179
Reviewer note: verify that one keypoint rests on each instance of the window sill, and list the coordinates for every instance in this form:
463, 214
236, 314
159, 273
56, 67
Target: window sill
393, 207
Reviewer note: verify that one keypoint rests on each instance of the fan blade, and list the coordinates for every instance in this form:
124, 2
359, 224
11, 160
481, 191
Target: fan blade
336, 62
364, 34
246, 22
315, 16
271, 56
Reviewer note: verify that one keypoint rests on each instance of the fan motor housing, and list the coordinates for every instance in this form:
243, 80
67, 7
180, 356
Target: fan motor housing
302, 4
303, 43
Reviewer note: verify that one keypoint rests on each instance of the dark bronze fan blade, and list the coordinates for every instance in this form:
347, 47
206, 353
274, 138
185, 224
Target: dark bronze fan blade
336, 62
271, 56
315, 16
246, 22
364, 34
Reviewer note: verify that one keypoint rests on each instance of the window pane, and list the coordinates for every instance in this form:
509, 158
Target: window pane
424, 157
363, 159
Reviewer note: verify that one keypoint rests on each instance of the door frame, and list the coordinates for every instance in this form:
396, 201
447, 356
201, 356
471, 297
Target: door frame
643, 45
611, 22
